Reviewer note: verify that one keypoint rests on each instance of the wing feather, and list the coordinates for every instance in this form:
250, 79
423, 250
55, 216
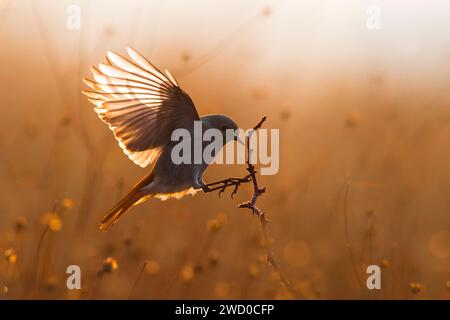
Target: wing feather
140, 104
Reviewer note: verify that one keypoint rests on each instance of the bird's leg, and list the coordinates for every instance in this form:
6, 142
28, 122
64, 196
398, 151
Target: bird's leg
223, 184
230, 180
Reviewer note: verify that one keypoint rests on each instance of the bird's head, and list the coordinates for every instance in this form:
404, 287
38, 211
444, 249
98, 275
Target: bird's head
222, 123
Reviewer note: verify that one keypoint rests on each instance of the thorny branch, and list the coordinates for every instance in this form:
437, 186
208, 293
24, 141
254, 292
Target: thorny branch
257, 192
251, 204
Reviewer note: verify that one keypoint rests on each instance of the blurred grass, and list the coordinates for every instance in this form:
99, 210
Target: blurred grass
376, 128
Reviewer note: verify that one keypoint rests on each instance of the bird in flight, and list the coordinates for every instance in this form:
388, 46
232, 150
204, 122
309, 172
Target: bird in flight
143, 106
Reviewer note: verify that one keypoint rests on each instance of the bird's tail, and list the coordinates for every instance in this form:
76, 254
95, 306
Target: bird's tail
135, 196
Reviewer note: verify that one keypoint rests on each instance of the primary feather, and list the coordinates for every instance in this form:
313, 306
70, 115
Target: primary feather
140, 104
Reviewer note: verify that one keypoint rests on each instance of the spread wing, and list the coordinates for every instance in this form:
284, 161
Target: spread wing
141, 105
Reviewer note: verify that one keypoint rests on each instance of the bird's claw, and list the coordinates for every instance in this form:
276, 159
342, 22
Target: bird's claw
236, 187
221, 191
236, 182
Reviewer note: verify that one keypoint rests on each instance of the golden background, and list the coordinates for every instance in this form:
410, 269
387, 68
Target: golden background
364, 123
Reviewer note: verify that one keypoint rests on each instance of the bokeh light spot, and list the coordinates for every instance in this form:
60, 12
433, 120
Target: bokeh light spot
297, 253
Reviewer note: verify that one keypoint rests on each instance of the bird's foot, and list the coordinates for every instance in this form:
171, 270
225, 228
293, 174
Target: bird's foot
223, 184
205, 188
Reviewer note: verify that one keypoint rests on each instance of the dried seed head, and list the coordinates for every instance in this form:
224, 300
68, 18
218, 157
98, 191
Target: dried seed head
65, 120
253, 270
52, 220
213, 258
152, 267
51, 283
415, 287
109, 265
439, 244
187, 273
20, 224
109, 248
186, 56
67, 203
128, 240
262, 258
10, 255
267, 11
198, 268
120, 183
217, 223
285, 114
55, 223
213, 225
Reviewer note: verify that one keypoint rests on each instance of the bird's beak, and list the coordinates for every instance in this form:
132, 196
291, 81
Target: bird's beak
239, 140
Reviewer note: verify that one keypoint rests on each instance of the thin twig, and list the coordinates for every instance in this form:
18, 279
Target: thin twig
137, 279
257, 192
347, 240
39, 247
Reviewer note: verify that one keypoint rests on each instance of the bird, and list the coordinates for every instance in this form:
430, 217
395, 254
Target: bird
142, 106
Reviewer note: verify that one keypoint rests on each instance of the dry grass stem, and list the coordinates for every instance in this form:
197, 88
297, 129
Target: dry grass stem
137, 279
347, 241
